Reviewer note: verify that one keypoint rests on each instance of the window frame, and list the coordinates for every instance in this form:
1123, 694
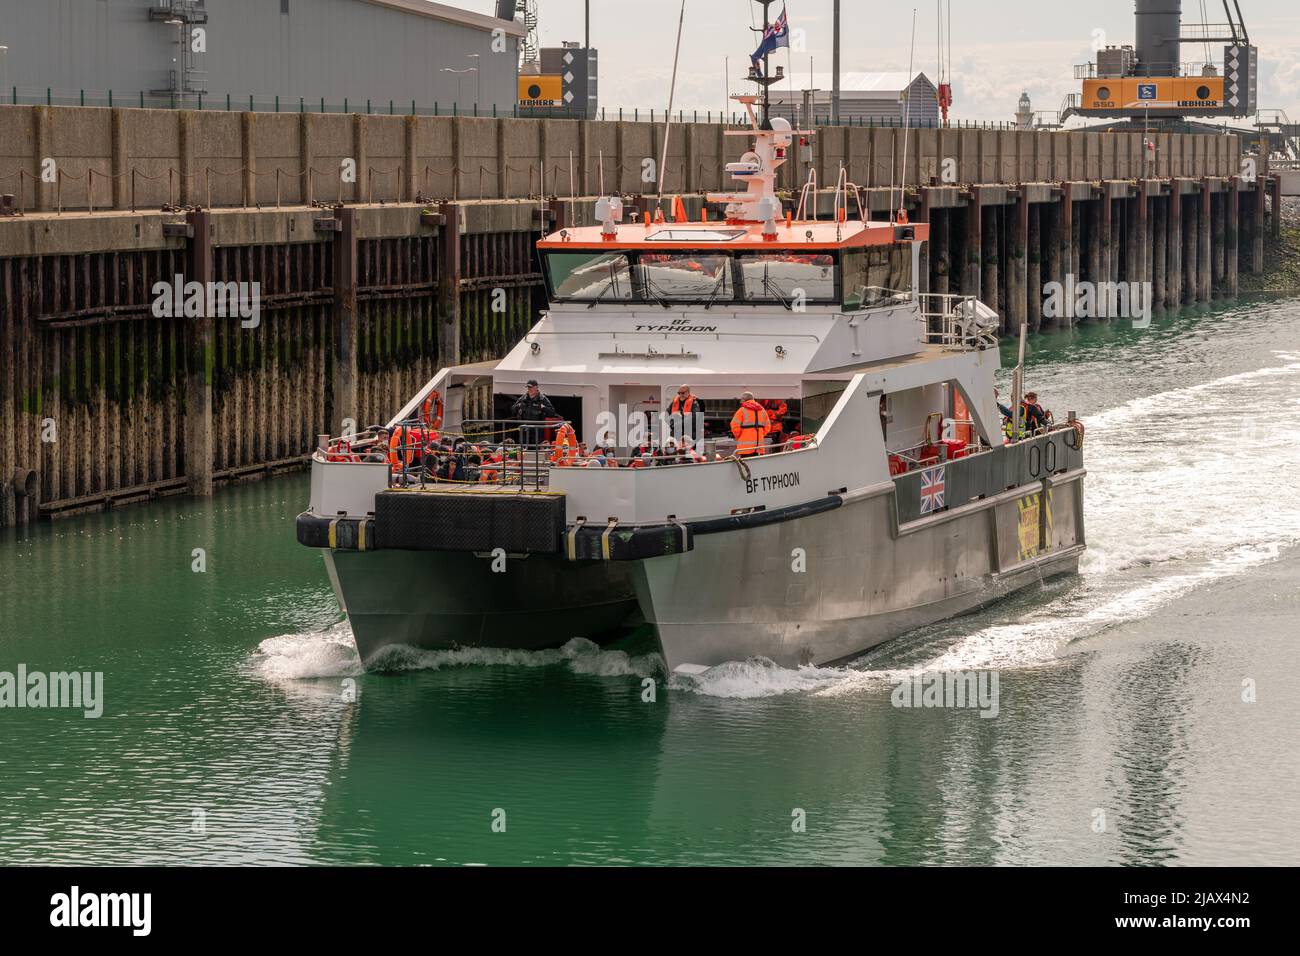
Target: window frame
735, 257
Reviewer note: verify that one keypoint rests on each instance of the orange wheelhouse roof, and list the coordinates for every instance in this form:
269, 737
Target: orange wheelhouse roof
743, 237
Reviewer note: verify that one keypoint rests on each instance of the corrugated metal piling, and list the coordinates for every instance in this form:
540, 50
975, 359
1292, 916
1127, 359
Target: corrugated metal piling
384, 247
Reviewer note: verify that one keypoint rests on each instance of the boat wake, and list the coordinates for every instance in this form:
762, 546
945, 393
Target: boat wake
1167, 513
332, 654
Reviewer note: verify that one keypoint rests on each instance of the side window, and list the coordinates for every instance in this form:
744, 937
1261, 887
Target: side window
587, 277
877, 275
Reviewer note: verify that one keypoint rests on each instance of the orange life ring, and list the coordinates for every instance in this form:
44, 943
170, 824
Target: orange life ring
434, 401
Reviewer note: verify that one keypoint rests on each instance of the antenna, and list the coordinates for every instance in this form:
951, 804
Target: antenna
907, 124
672, 92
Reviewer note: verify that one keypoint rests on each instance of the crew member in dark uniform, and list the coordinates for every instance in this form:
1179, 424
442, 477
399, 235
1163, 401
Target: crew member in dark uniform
532, 406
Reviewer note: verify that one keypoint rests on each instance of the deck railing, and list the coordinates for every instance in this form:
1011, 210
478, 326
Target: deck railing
959, 322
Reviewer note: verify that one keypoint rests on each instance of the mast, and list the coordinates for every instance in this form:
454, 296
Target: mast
766, 80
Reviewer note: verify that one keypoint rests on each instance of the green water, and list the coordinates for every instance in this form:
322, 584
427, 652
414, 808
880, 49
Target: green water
230, 733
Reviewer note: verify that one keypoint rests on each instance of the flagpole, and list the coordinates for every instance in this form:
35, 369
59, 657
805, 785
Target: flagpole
767, 72
672, 92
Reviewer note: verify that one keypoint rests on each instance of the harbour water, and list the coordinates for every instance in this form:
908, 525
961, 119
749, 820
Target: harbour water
1147, 709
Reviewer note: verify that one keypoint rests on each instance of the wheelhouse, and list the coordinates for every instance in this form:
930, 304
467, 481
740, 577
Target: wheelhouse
846, 279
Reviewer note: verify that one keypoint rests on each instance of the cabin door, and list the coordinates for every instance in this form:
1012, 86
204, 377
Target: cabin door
636, 409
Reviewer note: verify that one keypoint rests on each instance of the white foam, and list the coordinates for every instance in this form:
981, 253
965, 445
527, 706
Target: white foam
315, 654
1174, 501
332, 653
756, 677
1179, 494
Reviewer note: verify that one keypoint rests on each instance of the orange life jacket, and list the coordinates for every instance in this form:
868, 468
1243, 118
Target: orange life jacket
776, 412
683, 408
750, 425
341, 450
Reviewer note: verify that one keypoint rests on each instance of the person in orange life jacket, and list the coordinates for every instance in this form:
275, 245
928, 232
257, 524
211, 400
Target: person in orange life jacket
683, 407
776, 412
750, 426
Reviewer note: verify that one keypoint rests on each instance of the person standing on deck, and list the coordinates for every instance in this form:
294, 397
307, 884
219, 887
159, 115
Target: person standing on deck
680, 413
750, 426
776, 412
532, 406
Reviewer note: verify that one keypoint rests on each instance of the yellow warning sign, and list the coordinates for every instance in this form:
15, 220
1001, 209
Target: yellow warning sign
1033, 515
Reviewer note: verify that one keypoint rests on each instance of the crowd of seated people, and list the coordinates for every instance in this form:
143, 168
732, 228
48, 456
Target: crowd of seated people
418, 453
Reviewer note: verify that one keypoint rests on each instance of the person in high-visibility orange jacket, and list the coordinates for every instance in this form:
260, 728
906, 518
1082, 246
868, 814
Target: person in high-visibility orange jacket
776, 412
750, 426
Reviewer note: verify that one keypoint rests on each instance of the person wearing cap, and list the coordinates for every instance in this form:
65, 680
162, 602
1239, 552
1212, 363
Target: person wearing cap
532, 406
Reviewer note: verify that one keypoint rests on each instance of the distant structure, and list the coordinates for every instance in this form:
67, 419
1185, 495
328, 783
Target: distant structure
172, 52
524, 11
565, 85
1025, 114
865, 99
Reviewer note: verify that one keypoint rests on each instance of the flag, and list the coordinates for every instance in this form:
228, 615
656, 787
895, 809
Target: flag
775, 36
932, 490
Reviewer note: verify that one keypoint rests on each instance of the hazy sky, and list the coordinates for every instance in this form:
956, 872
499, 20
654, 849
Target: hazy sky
999, 49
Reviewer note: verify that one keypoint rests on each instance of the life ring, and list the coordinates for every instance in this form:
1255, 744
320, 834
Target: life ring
433, 404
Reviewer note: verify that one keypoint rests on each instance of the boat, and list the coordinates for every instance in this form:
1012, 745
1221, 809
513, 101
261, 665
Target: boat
888, 494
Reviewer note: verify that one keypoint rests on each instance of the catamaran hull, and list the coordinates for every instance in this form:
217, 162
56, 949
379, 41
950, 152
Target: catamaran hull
826, 587
817, 589
444, 601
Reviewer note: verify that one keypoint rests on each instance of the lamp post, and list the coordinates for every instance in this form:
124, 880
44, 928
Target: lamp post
478, 96
178, 85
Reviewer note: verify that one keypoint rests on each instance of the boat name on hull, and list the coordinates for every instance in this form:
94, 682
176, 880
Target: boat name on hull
772, 483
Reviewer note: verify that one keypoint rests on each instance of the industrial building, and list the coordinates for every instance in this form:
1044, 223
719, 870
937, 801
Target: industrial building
564, 84
866, 99
276, 51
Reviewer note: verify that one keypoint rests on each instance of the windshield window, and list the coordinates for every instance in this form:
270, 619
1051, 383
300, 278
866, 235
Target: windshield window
783, 276
691, 277
877, 275
587, 276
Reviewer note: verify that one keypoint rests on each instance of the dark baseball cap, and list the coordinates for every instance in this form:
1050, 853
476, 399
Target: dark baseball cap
532, 382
